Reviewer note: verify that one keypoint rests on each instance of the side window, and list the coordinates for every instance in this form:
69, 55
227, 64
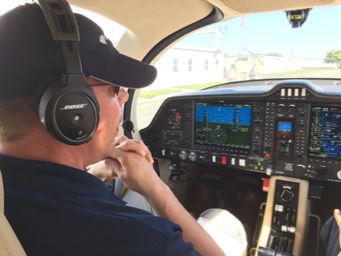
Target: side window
8, 5
175, 65
112, 30
189, 65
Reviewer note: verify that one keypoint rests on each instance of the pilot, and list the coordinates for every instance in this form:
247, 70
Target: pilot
53, 205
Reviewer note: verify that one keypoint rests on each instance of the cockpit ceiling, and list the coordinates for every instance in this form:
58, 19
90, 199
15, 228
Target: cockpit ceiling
254, 6
151, 12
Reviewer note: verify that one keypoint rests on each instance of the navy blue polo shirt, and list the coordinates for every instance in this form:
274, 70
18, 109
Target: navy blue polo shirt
58, 210
330, 237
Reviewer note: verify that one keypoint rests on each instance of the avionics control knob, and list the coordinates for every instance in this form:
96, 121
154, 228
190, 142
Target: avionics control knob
338, 174
286, 196
192, 156
269, 170
292, 108
183, 155
322, 171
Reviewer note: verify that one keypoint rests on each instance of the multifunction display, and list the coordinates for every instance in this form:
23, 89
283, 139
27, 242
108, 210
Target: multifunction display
325, 132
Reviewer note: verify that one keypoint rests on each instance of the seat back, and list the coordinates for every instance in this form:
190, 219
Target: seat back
9, 243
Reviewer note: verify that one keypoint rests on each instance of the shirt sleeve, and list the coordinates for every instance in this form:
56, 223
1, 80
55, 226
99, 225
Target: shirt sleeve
177, 246
330, 237
136, 200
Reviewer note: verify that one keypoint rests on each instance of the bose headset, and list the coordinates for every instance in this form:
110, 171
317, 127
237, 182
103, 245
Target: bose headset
67, 107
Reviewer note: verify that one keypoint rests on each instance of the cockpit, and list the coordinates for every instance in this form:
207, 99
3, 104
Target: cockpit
245, 113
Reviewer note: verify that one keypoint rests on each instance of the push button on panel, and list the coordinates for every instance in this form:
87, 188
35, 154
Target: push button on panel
224, 160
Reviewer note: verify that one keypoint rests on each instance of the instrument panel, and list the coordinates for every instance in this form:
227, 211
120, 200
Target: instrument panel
292, 128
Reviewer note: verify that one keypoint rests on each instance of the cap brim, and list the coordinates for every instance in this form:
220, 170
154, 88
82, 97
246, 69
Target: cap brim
126, 72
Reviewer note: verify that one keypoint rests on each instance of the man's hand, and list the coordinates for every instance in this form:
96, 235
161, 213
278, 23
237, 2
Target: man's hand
102, 171
138, 147
106, 169
132, 162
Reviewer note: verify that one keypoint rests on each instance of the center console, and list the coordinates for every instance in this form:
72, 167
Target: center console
286, 218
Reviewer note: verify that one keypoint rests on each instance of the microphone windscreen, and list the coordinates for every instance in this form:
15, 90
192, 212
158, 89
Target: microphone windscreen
128, 125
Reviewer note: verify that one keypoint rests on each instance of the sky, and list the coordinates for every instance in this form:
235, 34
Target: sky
261, 33
272, 33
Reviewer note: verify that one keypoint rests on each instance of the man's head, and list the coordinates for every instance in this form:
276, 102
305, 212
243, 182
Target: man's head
29, 55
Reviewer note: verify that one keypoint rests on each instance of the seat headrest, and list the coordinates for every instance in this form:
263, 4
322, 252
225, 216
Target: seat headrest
2, 204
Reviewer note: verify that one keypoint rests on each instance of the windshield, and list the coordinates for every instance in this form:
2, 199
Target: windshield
251, 47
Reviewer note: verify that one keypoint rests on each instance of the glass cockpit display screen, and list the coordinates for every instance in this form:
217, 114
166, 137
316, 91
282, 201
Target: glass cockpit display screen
325, 132
226, 125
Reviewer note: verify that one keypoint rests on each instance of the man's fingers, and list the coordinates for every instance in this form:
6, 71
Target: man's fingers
148, 153
136, 146
119, 140
130, 145
103, 170
112, 163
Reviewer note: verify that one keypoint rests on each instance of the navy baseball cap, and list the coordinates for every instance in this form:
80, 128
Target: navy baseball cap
28, 54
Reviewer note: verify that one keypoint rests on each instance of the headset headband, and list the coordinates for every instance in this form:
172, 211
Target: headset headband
64, 29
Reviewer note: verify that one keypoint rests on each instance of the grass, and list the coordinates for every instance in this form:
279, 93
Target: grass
301, 71
197, 87
154, 93
149, 94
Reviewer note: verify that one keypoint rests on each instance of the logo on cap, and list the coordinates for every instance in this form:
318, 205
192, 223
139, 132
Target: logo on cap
103, 39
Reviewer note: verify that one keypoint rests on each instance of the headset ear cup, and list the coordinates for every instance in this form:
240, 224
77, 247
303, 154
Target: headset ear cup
70, 113
42, 86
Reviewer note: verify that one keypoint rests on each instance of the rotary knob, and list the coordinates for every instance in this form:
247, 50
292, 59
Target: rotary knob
192, 156
183, 155
286, 196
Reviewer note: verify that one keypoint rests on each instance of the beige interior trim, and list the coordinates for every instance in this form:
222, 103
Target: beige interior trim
255, 6
9, 243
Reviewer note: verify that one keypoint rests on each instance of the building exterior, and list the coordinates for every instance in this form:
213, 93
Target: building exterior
245, 67
181, 66
187, 66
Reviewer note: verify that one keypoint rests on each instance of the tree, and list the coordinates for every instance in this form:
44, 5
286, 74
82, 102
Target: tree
334, 56
274, 54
